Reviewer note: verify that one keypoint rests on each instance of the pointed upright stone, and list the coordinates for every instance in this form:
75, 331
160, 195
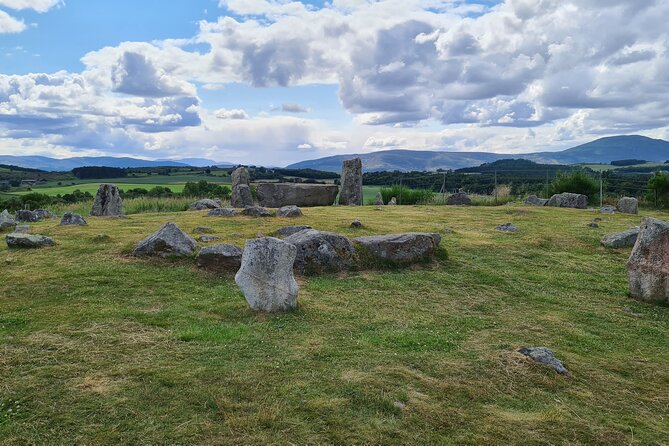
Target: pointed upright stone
379, 199
351, 183
648, 266
108, 202
241, 190
6, 221
168, 241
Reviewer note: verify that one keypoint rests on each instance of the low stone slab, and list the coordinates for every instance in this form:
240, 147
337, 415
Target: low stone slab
628, 205
43, 214
70, 219
202, 230
568, 200
276, 195
256, 211
22, 229
220, 259
625, 239
289, 212
287, 231
24, 216
223, 212
266, 275
459, 199
545, 356
208, 238
405, 248
356, 224
204, 204
319, 251
608, 210
648, 265
168, 241
507, 227
28, 241
533, 200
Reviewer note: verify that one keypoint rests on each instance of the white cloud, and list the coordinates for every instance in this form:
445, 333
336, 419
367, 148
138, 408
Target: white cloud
10, 25
231, 114
36, 5
418, 74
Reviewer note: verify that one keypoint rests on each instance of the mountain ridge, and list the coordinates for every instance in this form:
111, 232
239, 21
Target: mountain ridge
603, 150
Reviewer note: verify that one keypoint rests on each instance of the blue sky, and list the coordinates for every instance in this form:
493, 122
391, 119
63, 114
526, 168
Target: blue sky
275, 81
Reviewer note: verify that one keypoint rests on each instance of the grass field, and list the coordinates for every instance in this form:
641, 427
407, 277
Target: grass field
102, 348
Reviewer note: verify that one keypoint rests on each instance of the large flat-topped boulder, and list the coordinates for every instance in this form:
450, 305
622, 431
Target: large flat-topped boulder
568, 200
108, 202
266, 275
168, 241
28, 241
400, 248
276, 195
648, 266
319, 251
351, 183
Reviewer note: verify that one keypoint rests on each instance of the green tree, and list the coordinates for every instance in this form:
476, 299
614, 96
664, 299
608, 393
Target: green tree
576, 182
659, 188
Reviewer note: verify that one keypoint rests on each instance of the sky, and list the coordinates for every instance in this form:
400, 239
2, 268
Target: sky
275, 81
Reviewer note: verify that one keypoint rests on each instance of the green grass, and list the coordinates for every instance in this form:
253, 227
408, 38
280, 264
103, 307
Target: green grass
100, 348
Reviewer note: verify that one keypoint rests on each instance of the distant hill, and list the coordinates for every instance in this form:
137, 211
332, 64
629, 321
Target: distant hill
67, 164
603, 150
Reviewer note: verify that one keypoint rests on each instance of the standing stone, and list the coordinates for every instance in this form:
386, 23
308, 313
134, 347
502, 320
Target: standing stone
392, 202
266, 275
351, 183
379, 199
70, 219
628, 205
6, 221
241, 190
168, 241
108, 202
648, 266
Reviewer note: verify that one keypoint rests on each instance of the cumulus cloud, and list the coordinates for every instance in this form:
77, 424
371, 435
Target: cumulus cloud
35, 5
231, 114
10, 25
500, 77
293, 108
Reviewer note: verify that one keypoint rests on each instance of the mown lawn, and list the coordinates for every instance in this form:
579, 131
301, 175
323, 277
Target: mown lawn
100, 348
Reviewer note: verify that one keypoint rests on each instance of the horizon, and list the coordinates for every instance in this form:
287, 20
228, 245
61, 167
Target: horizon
276, 82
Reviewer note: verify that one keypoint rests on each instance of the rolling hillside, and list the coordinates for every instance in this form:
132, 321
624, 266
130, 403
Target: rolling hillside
63, 165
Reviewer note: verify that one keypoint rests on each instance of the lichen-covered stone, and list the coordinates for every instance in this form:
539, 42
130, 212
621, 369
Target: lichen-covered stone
266, 275
648, 265
168, 241
108, 202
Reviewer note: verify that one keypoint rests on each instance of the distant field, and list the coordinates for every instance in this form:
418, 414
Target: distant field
176, 183
607, 167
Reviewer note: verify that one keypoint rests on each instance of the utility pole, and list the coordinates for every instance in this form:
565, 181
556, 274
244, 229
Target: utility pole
400, 197
601, 189
546, 196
